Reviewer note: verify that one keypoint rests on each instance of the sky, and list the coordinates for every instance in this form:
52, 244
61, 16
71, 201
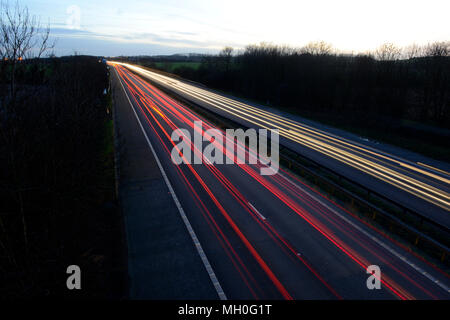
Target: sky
136, 27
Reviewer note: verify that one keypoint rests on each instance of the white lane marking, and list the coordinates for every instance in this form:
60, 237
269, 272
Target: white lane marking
194, 238
375, 239
256, 210
381, 243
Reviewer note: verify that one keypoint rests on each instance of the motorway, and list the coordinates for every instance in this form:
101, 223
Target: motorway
273, 237
415, 185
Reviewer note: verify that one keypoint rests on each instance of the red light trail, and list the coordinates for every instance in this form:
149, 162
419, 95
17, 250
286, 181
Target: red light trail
161, 112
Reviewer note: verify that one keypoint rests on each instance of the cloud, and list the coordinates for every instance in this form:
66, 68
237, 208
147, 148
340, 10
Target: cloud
70, 32
105, 47
173, 38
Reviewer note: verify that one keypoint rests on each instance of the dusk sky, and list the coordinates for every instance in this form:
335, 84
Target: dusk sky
137, 27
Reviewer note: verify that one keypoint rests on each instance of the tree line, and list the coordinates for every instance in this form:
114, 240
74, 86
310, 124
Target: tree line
57, 192
396, 83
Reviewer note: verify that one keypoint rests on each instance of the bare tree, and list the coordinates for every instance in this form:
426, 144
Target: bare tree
413, 51
387, 52
438, 49
318, 48
21, 37
226, 51
226, 54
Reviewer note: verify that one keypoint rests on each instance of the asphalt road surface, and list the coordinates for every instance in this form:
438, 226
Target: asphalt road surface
416, 185
273, 237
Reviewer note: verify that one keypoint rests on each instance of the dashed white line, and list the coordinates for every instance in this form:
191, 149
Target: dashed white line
256, 210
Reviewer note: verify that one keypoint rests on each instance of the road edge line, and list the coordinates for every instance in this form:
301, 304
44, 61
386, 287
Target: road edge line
185, 219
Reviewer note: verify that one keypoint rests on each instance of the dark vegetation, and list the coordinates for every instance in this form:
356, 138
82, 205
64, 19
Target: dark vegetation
57, 191
170, 63
398, 96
